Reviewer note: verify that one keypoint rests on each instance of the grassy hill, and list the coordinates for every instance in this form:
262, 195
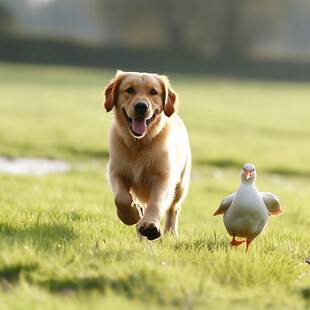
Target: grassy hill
62, 246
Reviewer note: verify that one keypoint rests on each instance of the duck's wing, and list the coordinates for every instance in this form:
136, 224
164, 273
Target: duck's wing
272, 203
225, 204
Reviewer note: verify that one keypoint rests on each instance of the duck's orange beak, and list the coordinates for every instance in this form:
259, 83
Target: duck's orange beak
248, 174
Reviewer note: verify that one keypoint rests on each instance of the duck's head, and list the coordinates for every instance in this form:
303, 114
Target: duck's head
248, 174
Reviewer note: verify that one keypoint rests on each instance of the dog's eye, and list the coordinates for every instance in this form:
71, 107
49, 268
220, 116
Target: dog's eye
153, 92
130, 90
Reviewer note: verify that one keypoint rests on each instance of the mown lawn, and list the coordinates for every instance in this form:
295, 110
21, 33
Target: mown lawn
62, 246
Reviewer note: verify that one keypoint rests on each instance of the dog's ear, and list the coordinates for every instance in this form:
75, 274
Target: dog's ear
111, 91
170, 104
109, 96
170, 97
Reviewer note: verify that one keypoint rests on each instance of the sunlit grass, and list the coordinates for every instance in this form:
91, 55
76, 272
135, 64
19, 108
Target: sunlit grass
62, 245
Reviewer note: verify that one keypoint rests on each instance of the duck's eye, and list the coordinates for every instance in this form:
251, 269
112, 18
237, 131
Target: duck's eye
130, 90
153, 92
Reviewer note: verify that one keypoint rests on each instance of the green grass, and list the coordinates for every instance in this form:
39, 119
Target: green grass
62, 246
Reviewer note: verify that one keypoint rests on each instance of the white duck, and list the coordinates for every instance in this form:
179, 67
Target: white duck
246, 210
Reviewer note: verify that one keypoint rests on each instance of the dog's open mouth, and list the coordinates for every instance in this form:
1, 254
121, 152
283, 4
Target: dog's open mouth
138, 125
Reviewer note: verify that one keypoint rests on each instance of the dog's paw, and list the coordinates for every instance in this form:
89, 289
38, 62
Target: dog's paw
131, 215
150, 230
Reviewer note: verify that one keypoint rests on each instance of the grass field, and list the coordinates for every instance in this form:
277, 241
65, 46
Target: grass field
62, 246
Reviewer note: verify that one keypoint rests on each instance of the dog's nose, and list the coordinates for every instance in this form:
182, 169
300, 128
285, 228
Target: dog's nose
141, 107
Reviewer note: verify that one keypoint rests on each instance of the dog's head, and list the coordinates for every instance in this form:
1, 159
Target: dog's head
139, 99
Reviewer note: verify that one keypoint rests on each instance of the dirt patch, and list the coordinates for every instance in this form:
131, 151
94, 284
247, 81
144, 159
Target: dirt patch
32, 166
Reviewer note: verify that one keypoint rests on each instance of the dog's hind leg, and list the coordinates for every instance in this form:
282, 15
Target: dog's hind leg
172, 214
171, 221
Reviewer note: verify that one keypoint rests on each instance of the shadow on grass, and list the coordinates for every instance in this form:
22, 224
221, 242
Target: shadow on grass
289, 173
210, 244
220, 163
125, 284
12, 273
142, 284
305, 293
43, 236
229, 163
99, 283
84, 152
11, 151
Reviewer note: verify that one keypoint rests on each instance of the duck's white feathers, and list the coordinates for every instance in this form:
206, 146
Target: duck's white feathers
225, 204
272, 203
247, 215
247, 210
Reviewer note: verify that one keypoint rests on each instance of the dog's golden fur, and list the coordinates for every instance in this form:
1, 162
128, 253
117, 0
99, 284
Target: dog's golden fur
150, 157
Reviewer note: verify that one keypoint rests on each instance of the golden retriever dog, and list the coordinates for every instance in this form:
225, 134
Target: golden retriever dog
150, 156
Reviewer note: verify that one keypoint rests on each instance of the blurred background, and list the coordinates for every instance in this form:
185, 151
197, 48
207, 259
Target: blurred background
241, 69
261, 39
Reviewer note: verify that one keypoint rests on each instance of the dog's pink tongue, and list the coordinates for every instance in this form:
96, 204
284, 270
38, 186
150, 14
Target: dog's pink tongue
138, 126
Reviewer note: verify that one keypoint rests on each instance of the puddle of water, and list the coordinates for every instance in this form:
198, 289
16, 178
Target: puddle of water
34, 166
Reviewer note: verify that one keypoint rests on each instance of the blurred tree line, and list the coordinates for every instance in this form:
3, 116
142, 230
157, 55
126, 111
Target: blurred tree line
213, 28
6, 19
172, 32
199, 26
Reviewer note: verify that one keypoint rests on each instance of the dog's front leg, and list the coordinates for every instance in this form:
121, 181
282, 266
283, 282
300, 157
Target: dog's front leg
150, 224
128, 212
